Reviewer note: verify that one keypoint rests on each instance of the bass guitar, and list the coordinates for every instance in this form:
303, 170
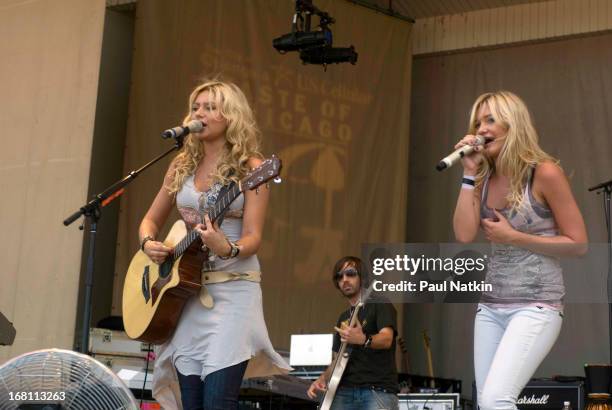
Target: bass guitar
154, 295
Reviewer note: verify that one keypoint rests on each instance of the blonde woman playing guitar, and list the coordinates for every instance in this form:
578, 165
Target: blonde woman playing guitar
363, 375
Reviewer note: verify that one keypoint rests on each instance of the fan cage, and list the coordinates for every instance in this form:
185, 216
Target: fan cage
63, 379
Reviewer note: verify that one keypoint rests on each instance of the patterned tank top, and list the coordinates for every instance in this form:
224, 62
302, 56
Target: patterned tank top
518, 275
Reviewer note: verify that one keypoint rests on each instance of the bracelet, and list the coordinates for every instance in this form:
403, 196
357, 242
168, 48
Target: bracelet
234, 251
368, 342
144, 240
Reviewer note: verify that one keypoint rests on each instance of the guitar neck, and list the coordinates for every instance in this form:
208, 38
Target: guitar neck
224, 202
429, 360
430, 364
213, 214
344, 345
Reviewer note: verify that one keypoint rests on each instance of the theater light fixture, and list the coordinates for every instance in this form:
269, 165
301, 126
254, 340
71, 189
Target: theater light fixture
314, 46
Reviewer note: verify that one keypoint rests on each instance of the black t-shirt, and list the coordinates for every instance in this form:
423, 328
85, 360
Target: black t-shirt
367, 366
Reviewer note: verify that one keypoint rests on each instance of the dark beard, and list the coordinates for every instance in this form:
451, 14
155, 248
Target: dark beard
351, 293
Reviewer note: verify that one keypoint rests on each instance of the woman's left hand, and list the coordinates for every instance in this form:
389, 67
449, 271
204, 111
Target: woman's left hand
499, 231
213, 237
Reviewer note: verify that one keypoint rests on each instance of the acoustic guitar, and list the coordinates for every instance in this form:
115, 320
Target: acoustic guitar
154, 295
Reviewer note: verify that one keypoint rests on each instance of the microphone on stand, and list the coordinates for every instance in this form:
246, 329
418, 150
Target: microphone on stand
192, 126
456, 156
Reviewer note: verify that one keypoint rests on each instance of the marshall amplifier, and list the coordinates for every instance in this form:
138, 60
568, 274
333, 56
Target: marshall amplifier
548, 395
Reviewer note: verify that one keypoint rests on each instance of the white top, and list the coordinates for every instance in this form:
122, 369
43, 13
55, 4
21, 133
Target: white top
234, 330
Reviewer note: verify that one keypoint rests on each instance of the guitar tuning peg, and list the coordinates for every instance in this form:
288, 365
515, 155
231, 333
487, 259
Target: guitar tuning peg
278, 180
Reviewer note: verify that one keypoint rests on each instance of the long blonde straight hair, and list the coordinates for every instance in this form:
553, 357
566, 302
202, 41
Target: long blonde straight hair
520, 151
242, 137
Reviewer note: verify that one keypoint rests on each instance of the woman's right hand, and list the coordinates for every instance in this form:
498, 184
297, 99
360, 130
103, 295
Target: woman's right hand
317, 385
156, 251
472, 161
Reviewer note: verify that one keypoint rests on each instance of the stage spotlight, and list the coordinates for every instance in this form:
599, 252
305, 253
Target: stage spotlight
315, 46
301, 40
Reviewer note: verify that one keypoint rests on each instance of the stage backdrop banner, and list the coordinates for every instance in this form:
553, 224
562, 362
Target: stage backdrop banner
342, 135
49, 79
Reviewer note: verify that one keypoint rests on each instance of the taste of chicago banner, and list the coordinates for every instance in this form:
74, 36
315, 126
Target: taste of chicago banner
342, 135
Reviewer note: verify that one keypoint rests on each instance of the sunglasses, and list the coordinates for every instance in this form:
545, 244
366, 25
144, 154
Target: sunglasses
348, 272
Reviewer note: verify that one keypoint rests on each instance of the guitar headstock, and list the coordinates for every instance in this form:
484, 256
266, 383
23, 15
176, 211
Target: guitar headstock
426, 339
269, 169
402, 345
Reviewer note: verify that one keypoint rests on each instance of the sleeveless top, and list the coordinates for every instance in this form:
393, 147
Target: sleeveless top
518, 275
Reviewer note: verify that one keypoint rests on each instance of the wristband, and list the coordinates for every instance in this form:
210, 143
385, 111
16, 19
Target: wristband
468, 182
368, 342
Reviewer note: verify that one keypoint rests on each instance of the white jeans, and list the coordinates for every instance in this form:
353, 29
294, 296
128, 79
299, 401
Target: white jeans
509, 345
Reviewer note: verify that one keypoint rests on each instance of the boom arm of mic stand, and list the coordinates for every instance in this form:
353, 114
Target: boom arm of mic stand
90, 207
604, 185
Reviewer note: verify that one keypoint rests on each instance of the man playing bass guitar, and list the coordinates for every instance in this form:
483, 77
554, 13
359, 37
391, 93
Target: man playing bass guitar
369, 381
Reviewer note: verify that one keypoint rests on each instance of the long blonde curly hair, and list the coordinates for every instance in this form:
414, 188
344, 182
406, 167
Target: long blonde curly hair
242, 138
520, 151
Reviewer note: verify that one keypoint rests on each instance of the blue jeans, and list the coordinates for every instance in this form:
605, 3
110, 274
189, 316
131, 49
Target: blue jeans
219, 391
364, 398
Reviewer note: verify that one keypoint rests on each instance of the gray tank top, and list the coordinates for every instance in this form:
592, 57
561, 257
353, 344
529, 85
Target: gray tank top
519, 275
193, 204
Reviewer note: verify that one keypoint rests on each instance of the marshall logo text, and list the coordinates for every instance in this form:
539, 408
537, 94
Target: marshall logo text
543, 400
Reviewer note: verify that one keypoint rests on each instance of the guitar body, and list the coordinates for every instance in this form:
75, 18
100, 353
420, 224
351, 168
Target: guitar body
334, 381
154, 295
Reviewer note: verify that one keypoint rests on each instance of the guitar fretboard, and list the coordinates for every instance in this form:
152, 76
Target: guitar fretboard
214, 213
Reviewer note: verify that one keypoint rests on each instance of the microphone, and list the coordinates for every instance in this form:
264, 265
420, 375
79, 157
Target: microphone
192, 126
456, 156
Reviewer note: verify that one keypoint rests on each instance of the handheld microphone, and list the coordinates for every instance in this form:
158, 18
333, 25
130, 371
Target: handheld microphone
192, 126
456, 156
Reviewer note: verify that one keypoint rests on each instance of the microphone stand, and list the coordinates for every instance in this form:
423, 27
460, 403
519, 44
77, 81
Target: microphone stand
92, 213
606, 189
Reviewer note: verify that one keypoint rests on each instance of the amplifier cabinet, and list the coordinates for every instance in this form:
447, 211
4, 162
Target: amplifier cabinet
132, 370
547, 395
428, 401
116, 343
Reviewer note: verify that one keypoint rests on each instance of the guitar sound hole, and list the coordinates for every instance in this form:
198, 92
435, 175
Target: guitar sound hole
165, 268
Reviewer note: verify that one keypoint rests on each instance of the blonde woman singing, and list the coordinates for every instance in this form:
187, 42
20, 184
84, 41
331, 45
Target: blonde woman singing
520, 197
212, 346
